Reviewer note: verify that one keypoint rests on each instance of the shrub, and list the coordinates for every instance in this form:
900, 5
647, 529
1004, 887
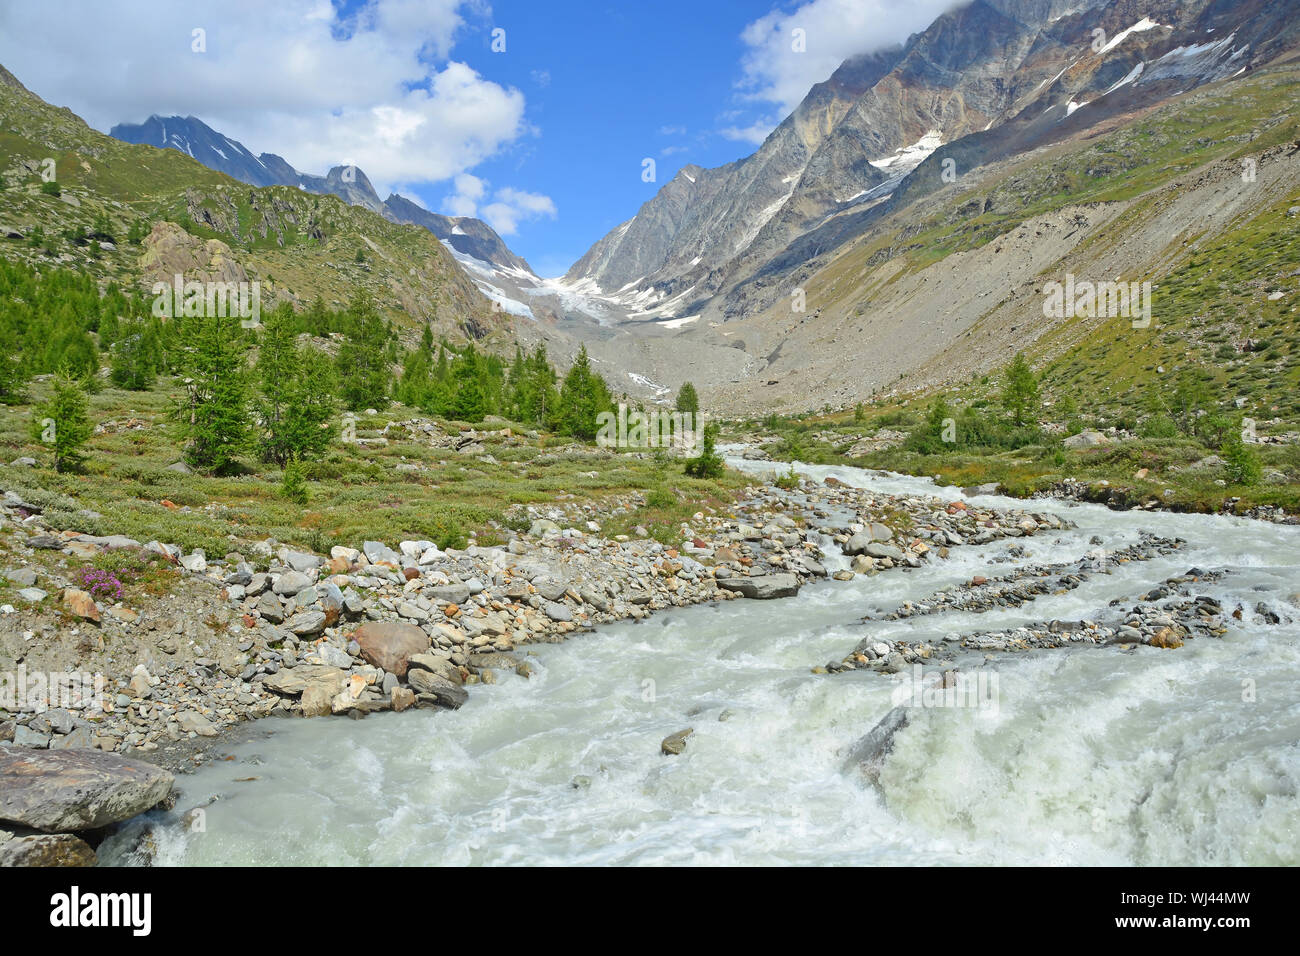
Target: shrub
709, 463
660, 498
1243, 465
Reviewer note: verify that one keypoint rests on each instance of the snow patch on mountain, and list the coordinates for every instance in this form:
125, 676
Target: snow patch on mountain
909, 157
1146, 23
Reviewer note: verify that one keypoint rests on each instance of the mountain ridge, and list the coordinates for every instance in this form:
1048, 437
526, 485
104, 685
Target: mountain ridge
201, 142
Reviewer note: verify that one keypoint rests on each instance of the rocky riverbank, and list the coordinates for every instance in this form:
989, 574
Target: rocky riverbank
269, 631
277, 631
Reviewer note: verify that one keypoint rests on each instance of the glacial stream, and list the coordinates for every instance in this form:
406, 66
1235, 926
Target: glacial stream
1090, 755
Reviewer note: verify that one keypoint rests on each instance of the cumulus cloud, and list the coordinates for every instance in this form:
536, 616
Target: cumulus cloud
464, 201
513, 206
508, 207
780, 64
373, 87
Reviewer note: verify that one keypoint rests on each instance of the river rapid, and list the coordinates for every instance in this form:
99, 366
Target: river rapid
1088, 755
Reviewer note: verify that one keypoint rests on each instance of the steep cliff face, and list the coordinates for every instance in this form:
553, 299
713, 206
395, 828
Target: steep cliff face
473, 237
985, 81
704, 217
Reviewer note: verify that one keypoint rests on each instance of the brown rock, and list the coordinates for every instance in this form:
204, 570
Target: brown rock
80, 603
402, 698
1165, 638
390, 644
410, 573
675, 743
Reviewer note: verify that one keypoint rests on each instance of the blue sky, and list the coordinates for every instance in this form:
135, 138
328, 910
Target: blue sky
544, 140
607, 86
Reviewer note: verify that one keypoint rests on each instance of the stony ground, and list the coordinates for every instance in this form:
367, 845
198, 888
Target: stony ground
220, 640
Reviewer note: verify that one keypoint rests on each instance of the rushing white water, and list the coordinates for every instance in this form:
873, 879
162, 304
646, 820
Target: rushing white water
1093, 755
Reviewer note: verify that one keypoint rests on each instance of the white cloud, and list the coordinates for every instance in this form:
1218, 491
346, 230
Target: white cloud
509, 207
464, 202
290, 77
513, 206
754, 133
772, 71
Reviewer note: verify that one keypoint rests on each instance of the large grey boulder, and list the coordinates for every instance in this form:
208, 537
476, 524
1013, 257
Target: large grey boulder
301, 560
763, 587
884, 551
433, 689
1086, 439
291, 582
59, 791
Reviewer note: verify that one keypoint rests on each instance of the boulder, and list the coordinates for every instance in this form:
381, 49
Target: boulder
1086, 439
442, 666
377, 552
390, 644
67, 790
78, 602
884, 551
763, 587
192, 722
541, 527
268, 605
46, 849
291, 682
674, 744
436, 690
291, 582
453, 593
857, 544
557, 612
306, 623
300, 560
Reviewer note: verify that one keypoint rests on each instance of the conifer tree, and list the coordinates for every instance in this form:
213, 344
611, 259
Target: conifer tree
1020, 395
295, 394
62, 422
363, 360
215, 422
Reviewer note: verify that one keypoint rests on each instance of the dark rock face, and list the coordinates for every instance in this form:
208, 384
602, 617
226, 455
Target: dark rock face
60, 791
